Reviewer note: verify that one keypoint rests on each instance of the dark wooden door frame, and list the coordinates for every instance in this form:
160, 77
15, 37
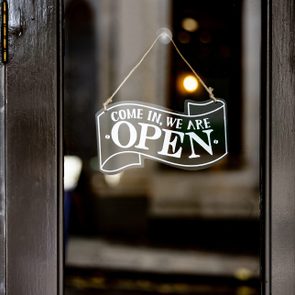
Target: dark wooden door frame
33, 149
2, 184
279, 133
31, 162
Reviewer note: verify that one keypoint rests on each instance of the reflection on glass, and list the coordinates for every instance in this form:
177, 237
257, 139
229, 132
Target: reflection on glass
158, 229
190, 24
187, 83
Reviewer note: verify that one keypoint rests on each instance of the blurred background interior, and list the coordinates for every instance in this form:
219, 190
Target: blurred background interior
159, 229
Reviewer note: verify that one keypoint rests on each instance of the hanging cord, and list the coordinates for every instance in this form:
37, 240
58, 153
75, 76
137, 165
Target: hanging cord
208, 89
162, 35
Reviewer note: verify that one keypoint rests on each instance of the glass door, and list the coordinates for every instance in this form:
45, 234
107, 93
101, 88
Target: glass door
159, 229
154, 229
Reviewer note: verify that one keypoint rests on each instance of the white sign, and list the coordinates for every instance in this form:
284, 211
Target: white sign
128, 132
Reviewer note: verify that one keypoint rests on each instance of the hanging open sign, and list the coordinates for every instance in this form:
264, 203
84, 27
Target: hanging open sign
129, 132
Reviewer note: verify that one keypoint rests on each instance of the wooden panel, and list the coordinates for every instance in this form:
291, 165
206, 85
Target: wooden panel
282, 130
32, 148
265, 140
2, 184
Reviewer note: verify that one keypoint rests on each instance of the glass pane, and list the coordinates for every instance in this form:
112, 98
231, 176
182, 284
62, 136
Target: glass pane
159, 229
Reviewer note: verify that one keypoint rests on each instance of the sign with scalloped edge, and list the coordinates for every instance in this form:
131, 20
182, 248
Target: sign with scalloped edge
129, 132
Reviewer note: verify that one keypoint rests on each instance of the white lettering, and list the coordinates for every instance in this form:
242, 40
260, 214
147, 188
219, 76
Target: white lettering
190, 125
171, 143
122, 114
144, 135
127, 114
199, 124
194, 137
113, 114
170, 121
132, 134
207, 123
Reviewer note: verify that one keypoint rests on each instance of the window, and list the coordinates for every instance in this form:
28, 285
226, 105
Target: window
156, 227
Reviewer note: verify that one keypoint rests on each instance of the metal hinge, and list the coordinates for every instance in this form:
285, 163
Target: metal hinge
4, 31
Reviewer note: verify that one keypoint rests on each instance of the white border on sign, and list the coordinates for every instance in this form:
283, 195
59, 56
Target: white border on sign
162, 109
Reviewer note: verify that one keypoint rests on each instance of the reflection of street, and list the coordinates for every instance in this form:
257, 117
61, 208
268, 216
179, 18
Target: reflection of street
99, 266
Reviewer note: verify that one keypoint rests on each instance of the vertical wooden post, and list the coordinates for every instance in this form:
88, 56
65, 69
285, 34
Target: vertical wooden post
2, 181
279, 50
33, 149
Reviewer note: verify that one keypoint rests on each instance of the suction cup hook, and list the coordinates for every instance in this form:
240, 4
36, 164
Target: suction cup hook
165, 35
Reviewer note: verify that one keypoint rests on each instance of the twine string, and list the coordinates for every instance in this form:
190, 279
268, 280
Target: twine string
162, 35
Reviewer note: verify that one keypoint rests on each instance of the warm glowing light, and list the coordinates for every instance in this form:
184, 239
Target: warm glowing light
184, 37
190, 24
190, 83
243, 274
113, 180
72, 170
244, 290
